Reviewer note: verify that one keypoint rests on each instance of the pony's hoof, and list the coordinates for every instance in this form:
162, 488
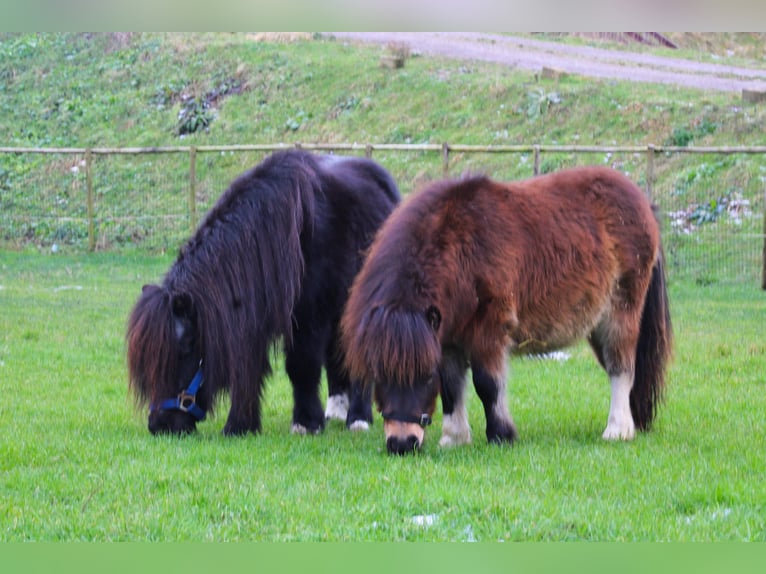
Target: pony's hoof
455, 430
302, 430
337, 407
359, 426
504, 435
448, 441
236, 431
613, 432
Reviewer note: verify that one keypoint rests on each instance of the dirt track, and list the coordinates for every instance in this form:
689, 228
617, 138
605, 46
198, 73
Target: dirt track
530, 54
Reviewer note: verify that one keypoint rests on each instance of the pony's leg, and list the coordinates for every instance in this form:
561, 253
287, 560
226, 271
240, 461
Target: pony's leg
337, 384
359, 416
492, 392
455, 428
614, 343
245, 418
346, 400
303, 363
245, 412
620, 424
337, 405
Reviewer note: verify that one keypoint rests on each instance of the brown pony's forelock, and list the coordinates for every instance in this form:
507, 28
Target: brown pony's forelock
393, 345
149, 343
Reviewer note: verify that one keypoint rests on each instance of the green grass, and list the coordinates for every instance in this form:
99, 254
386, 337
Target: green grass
76, 460
77, 463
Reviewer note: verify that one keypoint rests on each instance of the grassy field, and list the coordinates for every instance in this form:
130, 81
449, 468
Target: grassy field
76, 460
77, 463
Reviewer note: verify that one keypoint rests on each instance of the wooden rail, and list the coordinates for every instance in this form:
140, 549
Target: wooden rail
368, 149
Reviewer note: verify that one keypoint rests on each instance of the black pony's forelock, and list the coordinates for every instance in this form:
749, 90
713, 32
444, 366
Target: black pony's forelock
150, 339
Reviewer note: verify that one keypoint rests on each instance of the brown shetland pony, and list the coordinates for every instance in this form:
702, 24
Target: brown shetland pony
466, 271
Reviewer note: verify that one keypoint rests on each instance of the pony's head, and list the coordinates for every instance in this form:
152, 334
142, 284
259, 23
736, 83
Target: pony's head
398, 352
391, 330
165, 360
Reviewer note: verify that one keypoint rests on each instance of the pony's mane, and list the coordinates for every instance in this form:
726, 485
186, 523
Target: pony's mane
259, 223
385, 330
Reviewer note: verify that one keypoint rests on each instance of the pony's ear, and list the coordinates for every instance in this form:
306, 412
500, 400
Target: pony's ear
434, 317
182, 305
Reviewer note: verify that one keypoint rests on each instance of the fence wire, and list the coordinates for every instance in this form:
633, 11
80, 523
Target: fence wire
710, 202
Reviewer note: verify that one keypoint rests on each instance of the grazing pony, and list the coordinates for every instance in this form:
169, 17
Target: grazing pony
272, 261
466, 271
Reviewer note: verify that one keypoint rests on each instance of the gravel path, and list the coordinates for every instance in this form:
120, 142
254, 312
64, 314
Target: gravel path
530, 54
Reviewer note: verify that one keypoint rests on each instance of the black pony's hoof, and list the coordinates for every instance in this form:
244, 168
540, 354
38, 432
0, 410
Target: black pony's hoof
231, 430
507, 435
358, 425
302, 430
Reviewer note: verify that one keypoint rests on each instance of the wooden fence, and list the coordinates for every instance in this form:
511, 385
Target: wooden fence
446, 150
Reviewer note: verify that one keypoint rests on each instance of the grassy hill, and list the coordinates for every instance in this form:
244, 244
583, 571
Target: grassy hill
130, 89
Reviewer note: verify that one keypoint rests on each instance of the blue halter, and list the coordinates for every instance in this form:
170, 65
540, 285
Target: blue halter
186, 401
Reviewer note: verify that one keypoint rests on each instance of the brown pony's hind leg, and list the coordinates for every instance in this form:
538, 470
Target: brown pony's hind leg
614, 343
620, 425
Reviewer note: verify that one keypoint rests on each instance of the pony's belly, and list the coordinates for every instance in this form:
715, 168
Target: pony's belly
549, 339
535, 332
537, 347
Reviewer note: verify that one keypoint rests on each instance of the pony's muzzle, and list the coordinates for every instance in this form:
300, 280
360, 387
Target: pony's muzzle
171, 422
403, 438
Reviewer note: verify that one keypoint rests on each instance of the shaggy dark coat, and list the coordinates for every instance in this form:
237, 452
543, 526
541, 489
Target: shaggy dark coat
272, 261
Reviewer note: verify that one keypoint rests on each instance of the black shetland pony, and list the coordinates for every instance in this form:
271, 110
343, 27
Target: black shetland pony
272, 261
466, 271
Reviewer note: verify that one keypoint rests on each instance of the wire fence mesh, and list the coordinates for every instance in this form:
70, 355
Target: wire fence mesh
711, 202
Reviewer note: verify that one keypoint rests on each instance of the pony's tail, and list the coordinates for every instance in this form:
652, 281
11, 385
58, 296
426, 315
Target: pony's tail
654, 350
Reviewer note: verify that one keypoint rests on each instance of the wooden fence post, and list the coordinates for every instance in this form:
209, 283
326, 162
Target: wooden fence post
763, 271
445, 159
368, 151
649, 170
536, 167
193, 188
89, 199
